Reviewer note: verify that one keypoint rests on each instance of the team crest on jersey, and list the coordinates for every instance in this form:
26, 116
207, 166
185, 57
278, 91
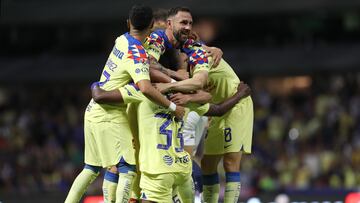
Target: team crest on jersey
138, 54
168, 160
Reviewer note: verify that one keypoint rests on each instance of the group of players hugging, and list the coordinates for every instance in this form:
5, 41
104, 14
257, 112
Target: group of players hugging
144, 121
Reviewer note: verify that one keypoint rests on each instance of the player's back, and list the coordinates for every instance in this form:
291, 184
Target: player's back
161, 142
222, 82
126, 62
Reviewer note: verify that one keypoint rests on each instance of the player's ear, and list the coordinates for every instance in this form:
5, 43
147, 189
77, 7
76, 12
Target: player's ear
168, 23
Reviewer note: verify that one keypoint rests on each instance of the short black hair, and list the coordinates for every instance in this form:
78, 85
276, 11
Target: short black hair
141, 16
175, 10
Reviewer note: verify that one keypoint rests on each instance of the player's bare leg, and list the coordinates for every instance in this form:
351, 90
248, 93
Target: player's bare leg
211, 186
232, 168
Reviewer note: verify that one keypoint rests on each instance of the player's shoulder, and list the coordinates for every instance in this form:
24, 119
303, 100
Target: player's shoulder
193, 49
158, 38
135, 50
158, 34
190, 45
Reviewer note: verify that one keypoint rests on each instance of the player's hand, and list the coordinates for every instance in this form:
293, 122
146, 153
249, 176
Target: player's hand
244, 89
180, 99
95, 89
194, 36
161, 87
216, 54
179, 112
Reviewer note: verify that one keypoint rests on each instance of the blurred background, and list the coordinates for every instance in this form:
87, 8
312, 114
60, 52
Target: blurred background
301, 58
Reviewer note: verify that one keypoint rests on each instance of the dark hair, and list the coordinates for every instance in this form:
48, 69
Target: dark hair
160, 14
140, 17
175, 10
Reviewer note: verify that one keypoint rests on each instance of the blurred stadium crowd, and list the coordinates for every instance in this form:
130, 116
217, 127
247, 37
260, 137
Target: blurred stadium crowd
305, 139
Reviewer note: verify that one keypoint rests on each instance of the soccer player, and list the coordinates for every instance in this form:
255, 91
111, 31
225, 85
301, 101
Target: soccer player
175, 34
168, 159
228, 135
108, 140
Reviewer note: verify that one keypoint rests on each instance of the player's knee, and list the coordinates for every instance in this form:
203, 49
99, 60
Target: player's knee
95, 169
124, 167
231, 165
208, 165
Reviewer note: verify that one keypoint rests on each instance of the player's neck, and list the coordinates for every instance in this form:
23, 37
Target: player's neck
171, 38
138, 35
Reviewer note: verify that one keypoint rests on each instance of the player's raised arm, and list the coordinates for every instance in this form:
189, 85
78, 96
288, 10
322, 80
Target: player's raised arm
220, 109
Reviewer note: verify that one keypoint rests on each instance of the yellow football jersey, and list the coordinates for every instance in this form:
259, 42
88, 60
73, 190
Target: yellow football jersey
222, 80
128, 61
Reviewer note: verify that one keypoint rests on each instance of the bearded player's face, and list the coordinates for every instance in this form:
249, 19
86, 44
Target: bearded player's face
182, 26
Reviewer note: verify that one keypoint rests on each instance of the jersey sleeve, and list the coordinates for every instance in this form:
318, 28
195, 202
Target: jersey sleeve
131, 94
155, 45
198, 59
138, 67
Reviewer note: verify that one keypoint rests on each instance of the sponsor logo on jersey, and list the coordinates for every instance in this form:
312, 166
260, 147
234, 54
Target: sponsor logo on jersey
119, 54
185, 159
168, 160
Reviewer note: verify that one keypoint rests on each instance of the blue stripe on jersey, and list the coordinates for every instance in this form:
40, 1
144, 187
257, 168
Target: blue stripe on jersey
95, 169
211, 179
132, 40
232, 177
112, 177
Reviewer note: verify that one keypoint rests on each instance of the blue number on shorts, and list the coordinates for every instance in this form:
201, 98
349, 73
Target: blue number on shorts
164, 131
227, 134
107, 78
180, 136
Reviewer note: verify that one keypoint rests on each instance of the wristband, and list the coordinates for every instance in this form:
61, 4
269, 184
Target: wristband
172, 106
